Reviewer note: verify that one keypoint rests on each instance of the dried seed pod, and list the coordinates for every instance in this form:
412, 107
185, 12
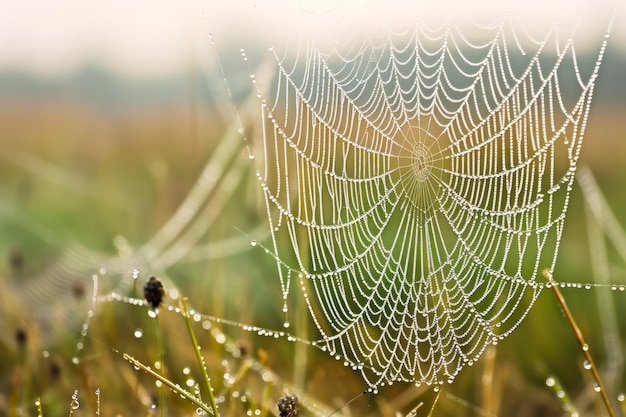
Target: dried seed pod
16, 258
21, 336
288, 405
153, 292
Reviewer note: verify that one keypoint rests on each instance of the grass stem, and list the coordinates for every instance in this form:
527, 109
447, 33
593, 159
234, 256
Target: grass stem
161, 363
196, 348
581, 340
175, 387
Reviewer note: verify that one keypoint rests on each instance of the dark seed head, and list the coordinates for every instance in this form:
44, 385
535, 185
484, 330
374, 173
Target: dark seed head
78, 289
16, 258
288, 406
55, 368
21, 336
243, 348
153, 292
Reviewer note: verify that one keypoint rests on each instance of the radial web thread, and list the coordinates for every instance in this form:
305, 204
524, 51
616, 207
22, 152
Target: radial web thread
416, 183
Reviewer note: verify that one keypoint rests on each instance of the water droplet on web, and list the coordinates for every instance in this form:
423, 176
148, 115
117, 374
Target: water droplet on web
621, 397
253, 243
135, 273
153, 313
550, 381
138, 333
251, 156
587, 365
75, 360
286, 324
74, 405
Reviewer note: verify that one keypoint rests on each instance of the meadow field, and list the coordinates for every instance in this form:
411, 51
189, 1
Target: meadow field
92, 173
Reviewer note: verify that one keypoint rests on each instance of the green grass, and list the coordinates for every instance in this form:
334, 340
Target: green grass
131, 173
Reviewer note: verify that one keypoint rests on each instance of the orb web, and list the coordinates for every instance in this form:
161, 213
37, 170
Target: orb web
416, 181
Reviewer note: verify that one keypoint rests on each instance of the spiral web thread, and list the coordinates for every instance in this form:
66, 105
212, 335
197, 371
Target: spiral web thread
416, 183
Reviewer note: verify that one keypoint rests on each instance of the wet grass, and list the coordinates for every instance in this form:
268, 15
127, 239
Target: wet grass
73, 173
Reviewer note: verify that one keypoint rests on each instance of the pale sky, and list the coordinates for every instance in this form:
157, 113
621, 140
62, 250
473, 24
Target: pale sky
148, 38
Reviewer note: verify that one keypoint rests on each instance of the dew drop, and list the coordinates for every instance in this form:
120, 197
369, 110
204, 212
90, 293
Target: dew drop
135, 273
550, 381
560, 393
153, 313
286, 324
587, 365
186, 370
75, 404
251, 156
75, 360
253, 243
597, 387
621, 397
138, 333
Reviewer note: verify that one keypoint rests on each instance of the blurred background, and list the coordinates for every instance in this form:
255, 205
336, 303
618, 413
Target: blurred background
109, 114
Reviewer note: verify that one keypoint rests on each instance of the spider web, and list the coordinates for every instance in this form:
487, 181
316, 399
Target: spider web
416, 180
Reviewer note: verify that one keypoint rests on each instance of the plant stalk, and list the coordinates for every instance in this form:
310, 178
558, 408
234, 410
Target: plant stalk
194, 342
175, 387
581, 340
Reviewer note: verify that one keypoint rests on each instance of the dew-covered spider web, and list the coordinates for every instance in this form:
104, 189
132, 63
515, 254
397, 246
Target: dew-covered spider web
417, 179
